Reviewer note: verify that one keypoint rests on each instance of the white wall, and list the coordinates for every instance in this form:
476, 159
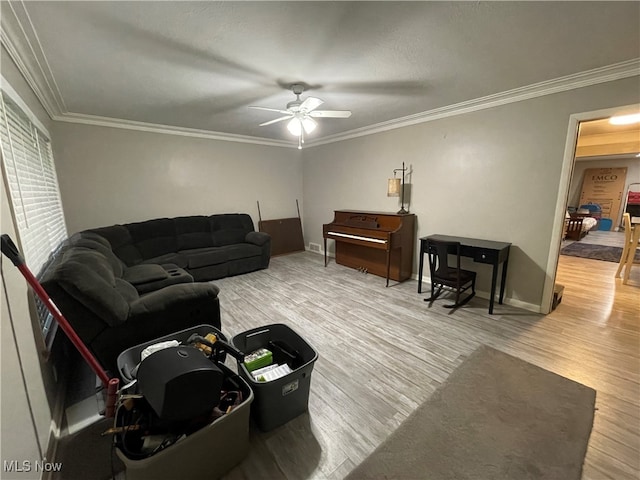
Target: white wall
491, 174
19, 439
110, 175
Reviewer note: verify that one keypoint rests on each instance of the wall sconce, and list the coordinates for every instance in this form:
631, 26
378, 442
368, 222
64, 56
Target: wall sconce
395, 189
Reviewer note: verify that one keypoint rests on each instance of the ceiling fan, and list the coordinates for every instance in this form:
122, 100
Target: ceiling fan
302, 114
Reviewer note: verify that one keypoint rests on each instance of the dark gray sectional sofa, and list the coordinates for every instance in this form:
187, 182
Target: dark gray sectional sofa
207, 247
123, 285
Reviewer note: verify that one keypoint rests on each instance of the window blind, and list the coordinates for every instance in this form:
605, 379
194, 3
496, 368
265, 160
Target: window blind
33, 189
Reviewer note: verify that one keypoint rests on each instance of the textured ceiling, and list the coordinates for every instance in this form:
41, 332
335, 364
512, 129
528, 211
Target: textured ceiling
199, 65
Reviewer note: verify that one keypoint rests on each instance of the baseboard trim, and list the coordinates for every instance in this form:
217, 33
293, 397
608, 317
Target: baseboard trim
319, 252
514, 302
426, 280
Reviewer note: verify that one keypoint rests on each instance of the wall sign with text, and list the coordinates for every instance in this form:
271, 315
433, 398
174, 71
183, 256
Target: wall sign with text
604, 186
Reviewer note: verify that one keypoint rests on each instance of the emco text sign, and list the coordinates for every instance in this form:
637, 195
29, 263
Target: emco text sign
604, 186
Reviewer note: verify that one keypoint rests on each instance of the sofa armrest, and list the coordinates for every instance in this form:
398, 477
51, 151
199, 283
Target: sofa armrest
157, 314
257, 238
172, 296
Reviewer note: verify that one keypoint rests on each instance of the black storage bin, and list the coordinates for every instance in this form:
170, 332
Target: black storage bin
278, 401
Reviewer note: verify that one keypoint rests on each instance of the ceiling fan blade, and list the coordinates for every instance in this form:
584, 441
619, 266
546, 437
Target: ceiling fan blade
310, 103
275, 120
330, 113
269, 109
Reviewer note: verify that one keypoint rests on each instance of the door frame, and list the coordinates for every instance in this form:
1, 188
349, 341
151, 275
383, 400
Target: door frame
566, 173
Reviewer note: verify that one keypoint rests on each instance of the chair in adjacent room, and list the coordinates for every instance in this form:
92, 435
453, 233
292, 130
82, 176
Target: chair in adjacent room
448, 276
594, 209
628, 230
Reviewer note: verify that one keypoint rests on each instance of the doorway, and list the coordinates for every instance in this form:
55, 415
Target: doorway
568, 167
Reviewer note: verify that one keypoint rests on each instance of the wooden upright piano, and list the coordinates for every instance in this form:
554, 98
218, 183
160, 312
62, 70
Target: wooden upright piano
375, 242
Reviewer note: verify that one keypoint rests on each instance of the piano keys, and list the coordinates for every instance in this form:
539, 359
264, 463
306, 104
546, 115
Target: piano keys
375, 242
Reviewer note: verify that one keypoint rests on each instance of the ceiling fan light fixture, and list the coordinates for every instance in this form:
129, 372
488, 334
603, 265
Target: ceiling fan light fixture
300, 114
295, 126
309, 124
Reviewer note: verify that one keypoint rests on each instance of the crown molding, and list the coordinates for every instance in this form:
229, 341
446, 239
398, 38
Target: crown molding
609, 73
596, 76
15, 96
169, 130
22, 43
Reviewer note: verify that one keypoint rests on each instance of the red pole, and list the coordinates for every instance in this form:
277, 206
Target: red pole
112, 396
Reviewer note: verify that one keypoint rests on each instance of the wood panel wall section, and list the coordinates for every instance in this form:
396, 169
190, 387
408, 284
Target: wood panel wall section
286, 235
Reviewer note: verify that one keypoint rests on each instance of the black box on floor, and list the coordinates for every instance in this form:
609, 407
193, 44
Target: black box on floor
558, 290
278, 401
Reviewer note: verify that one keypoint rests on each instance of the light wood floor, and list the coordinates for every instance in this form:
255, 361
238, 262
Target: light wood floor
383, 351
601, 237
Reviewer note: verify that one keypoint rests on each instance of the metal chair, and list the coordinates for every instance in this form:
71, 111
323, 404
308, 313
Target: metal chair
451, 277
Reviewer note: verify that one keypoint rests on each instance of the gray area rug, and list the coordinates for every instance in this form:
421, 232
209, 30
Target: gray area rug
596, 252
496, 417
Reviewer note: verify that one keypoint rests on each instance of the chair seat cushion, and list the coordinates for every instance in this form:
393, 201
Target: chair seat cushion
449, 276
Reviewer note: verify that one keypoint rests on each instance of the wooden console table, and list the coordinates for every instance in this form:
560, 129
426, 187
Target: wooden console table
482, 251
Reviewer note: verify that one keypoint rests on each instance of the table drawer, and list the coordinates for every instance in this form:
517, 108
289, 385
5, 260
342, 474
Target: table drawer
481, 255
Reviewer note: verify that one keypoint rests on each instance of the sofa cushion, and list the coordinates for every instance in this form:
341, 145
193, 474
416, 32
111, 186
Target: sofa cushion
154, 237
210, 272
242, 250
121, 243
178, 259
230, 228
87, 241
193, 232
202, 257
147, 280
144, 273
87, 276
90, 236
173, 295
229, 236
